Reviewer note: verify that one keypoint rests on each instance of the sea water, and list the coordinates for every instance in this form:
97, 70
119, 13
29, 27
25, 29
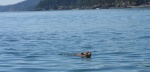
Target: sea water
44, 41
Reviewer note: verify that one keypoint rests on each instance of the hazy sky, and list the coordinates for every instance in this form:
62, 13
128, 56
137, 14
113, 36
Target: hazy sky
7, 2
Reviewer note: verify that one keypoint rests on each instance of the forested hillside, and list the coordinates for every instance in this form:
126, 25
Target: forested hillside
27, 5
30, 5
89, 4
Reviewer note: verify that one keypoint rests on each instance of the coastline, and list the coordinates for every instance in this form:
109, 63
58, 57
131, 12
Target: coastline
140, 6
96, 7
91, 7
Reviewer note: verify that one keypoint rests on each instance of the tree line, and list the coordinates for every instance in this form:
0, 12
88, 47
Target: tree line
88, 4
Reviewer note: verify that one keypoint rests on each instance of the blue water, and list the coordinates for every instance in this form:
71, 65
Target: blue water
119, 40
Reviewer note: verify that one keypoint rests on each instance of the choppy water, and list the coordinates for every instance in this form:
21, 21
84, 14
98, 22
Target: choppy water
119, 40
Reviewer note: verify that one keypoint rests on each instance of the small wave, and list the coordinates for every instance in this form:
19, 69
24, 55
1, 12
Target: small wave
87, 47
67, 54
93, 32
84, 70
118, 53
117, 33
40, 38
32, 56
32, 69
144, 37
117, 38
12, 53
4, 44
10, 39
29, 44
106, 68
133, 56
26, 38
1, 36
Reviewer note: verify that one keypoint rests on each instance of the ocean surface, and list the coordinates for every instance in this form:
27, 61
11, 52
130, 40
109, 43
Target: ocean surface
45, 41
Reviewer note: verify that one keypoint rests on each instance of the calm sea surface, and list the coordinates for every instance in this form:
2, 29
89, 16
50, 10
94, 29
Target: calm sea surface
119, 40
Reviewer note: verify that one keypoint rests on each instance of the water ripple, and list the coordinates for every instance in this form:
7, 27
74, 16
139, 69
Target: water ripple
48, 41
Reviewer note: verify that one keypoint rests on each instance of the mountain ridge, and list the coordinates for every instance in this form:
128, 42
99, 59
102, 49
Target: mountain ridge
27, 5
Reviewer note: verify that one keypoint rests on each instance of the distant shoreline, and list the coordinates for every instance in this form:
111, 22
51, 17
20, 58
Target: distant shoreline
93, 8
48, 5
130, 7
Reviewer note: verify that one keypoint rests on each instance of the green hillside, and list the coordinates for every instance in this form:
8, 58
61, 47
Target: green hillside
89, 4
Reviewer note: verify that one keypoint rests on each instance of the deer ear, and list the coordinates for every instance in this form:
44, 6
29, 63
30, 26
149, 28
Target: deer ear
82, 53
